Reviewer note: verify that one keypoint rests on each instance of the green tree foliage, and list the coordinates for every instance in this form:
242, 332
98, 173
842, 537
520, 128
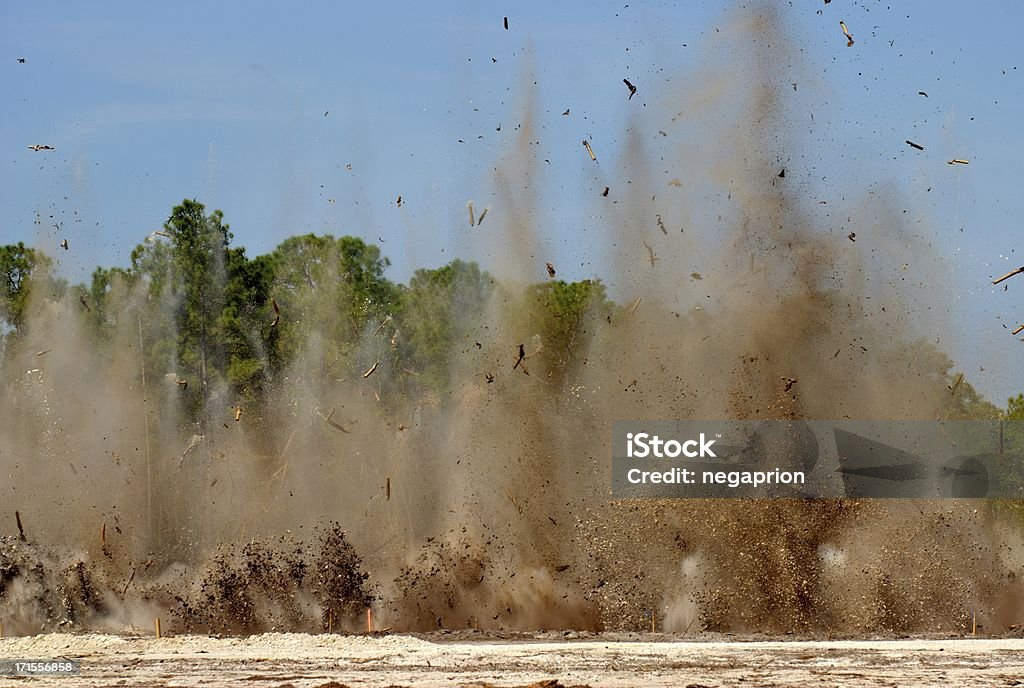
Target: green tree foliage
329, 292
20, 267
437, 310
1015, 408
198, 264
564, 315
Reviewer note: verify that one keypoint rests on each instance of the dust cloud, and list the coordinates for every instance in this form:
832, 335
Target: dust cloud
486, 506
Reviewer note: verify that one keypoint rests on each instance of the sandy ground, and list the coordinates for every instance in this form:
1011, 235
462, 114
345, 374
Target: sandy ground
315, 660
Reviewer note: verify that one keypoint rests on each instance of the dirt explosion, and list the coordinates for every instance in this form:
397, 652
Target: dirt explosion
487, 506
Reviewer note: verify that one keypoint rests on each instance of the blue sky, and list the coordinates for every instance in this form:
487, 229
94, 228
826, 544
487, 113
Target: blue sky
150, 103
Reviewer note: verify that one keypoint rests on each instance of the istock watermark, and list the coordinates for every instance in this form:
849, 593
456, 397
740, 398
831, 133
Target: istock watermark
818, 459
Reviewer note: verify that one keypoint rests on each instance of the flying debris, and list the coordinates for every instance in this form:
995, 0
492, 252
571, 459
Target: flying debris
631, 87
551, 270
489, 377
277, 312
914, 145
650, 254
852, 236
922, 93
1009, 275
192, 444
1018, 330
846, 32
661, 225
636, 304
605, 192
399, 201
84, 302
21, 60
238, 413
506, 23
782, 173
181, 383
790, 381
64, 244
519, 361
957, 161
566, 113
469, 207
38, 147
334, 424
480, 220
956, 383
372, 368
326, 112
696, 276
586, 144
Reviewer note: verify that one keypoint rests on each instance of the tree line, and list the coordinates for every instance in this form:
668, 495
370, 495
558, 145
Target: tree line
217, 319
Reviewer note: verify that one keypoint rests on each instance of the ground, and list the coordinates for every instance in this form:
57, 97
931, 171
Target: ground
569, 658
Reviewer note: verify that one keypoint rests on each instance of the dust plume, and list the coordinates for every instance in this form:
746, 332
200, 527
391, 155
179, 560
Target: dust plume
483, 502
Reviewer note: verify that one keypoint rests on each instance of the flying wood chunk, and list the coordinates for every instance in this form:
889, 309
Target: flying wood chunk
605, 192
1009, 275
634, 306
277, 312
44, 351
650, 254
1018, 330
381, 326
631, 87
958, 161
586, 144
956, 383
789, 381
369, 372
506, 23
480, 220
37, 147
85, 303
519, 361
551, 270
469, 207
514, 502
846, 32
661, 225
914, 145
21, 531
64, 244
181, 383
332, 423
399, 201
238, 413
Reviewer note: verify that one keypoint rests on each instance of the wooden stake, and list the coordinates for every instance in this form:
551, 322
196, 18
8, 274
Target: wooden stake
388, 488
158, 627
103, 535
586, 144
21, 531
1009, 275
369, 620
330, 620
1, 629
1018, 330
974, 622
